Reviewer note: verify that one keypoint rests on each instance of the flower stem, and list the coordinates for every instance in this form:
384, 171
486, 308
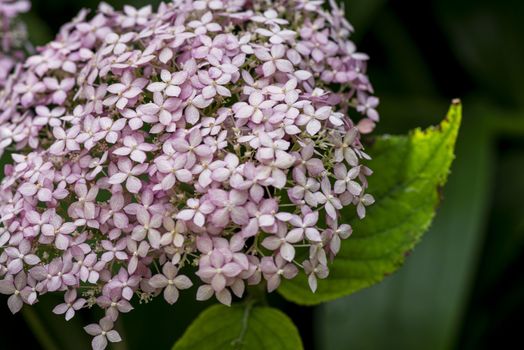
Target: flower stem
239, 342
41, 334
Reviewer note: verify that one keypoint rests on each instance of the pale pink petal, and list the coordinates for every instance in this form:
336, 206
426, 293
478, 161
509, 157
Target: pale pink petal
99, 342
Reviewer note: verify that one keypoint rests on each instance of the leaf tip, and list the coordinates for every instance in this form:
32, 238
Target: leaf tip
455, 113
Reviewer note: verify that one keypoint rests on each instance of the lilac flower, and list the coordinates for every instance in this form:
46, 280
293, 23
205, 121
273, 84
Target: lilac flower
253, 110
88, 268
57, 231
274, 60
252, 178
314, 270
329, 199
110, 129
148, 226
277, 35
204, 25
339, 233
29, 88
56, 275
125, 91
42, 192
306, 226
306, 188
263, 216
174, 170
217, 269
125, 283
102, 332
19, 256
135, 147
66, 140
211, 4
196, 212
306, 161
137, 118
362, 203
128, 173
270, 18
223, 170
283, 241
60, 88
345, 151
14, 288
191, 112
230, 206
368, 107
136, 17
91, 134
170, 282
213, 80
274, 149
48, 117
345, 180
273, 269
174, 234
137, 252
86, 202
94, 97
114, 251
114, 304
312, 118
164, 109
192, 148
170, 84
71, 305
117, 43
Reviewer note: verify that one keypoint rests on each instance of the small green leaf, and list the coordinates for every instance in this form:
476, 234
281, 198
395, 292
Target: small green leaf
240, 327
409, 172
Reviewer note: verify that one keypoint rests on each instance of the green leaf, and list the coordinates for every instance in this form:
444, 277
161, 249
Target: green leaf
409, 172
425, 301
240, 327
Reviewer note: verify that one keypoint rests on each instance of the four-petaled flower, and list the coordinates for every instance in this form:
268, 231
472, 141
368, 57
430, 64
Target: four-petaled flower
274, 60
70, 305
171, 282
128, 173
197, 211
19, 256
127, 90
14, 288
102, 332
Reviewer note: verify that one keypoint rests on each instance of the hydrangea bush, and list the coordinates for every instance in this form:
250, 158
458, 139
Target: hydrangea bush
223, 135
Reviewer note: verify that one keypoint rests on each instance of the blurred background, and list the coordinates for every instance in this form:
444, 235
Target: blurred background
462, 287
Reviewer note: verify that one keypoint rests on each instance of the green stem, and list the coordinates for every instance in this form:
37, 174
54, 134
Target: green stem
38, 329
239, 342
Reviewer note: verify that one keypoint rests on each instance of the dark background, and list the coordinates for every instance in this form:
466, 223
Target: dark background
462, 288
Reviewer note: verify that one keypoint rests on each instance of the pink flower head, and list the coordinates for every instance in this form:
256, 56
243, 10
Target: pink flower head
206, 134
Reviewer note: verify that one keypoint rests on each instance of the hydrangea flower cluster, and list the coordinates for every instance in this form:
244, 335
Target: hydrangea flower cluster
210, 133
12, 36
